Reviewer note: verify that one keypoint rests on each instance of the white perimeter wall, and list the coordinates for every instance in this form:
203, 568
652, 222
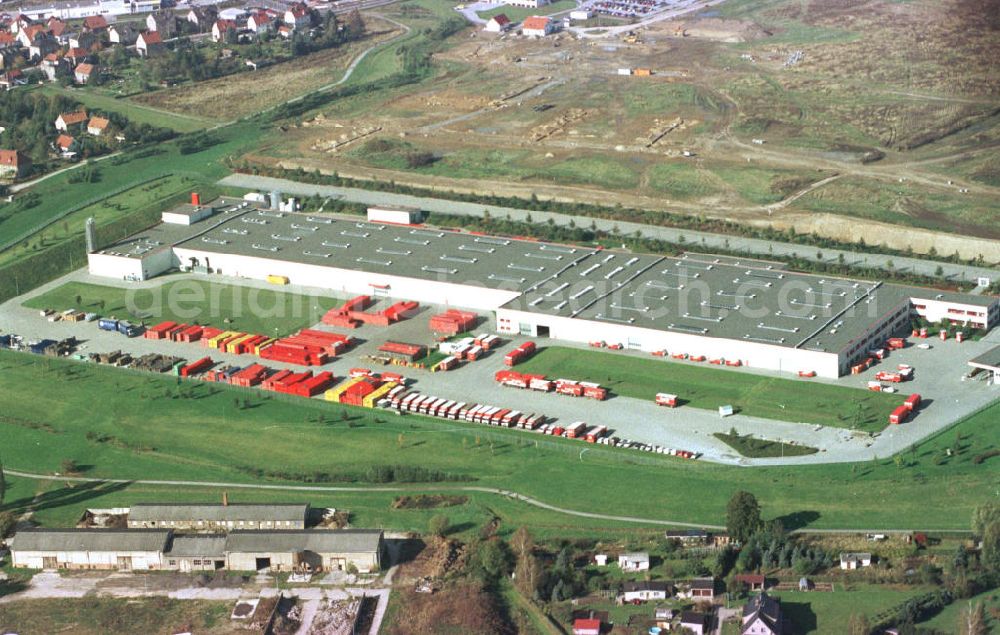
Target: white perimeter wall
354, 282
752, 354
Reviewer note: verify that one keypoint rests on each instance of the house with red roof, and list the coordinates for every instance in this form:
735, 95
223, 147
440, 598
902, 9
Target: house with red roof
67, 120
498, 23
148, 44
297, 17
537, 26
587, 627
260, 23
95, 23
97, 126
67, 145
221, 27
83, 72
13, 164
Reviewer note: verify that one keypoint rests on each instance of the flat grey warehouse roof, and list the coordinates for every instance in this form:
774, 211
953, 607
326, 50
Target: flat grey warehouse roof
318, 540
90, 540
415, 252
216, 512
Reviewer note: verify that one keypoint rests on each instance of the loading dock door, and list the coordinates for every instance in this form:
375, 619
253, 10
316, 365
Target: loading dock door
262, 564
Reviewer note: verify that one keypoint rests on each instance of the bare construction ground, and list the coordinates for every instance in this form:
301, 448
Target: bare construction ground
847, 118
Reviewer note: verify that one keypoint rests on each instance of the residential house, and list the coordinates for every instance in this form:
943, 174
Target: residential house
53, 66
286, 31
75, 56
68, 120
97, 126
20, 23
694, 622
42, 46
7, 39
754, 581
13, 164
702, 589
298, 17
83, 72
601, 560
537, 26
163, 23
122, 549
762, 616
123, 33
57, 28
260, 23
149, 44
219, 517
851, 561
85, 40
646, 590
634, 561
220, 28
95, 23
498, 23
67, 145
586, 627
29, 34
10, 79
202, 17
10, 57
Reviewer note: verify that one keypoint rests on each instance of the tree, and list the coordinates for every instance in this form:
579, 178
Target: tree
439, 525
742, 516
69, 466
990, 554
7, 522
972, 620
984, 515
3, 483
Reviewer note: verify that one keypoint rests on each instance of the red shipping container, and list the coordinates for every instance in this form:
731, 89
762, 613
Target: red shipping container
314, 385
157, 332
912, 402
196, 367
899, 415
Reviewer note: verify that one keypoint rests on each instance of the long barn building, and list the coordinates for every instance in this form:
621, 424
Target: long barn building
753, 311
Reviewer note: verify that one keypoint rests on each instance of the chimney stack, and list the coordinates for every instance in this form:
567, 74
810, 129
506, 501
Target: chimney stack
195, 199
225, 499
91, 234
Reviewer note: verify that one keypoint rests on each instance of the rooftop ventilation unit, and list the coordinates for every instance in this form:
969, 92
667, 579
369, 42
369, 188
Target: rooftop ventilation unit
439, 270
704, 318
255, 221
348, 232
783, 329
390, 252
525, 268
761, 274
609, 258
686, 274
613, 273
660, 285
727, 307
811, 316
501, 278
307, 228
425, 232
261, 212
769, 340
815, 306
482, 250
560, 250
233, 230
291, 239
557, 290
313, 253
733, 294
641, 309
491, 241
468, 261
609, 318
369, 226
560, 306
264, 247
370, 261
581, 293
327, 243
589, 269
214, 241
688, 329
542, 256
313, 219
536, 301
411, 241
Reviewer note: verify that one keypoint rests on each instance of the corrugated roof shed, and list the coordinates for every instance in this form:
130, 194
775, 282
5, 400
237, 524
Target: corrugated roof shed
196, 545
319, 541
91, 540
147, 512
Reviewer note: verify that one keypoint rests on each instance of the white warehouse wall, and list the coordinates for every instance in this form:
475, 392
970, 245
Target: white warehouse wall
752, 354
937, 310
121, 267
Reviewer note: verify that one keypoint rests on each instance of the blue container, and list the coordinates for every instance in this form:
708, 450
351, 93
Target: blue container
107, 324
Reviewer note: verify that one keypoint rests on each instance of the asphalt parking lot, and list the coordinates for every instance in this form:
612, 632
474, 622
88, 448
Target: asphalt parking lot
938, 377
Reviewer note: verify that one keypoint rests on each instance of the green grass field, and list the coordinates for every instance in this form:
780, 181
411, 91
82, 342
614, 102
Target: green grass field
827, 613
250, 309
711, 387
150, 427
948, 618
115, 615
747, 445
135, 112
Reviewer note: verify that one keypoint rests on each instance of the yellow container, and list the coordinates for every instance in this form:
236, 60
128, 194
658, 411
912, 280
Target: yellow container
258, 348
231, 346
372, 399
214, 342
334, 393
273, 279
